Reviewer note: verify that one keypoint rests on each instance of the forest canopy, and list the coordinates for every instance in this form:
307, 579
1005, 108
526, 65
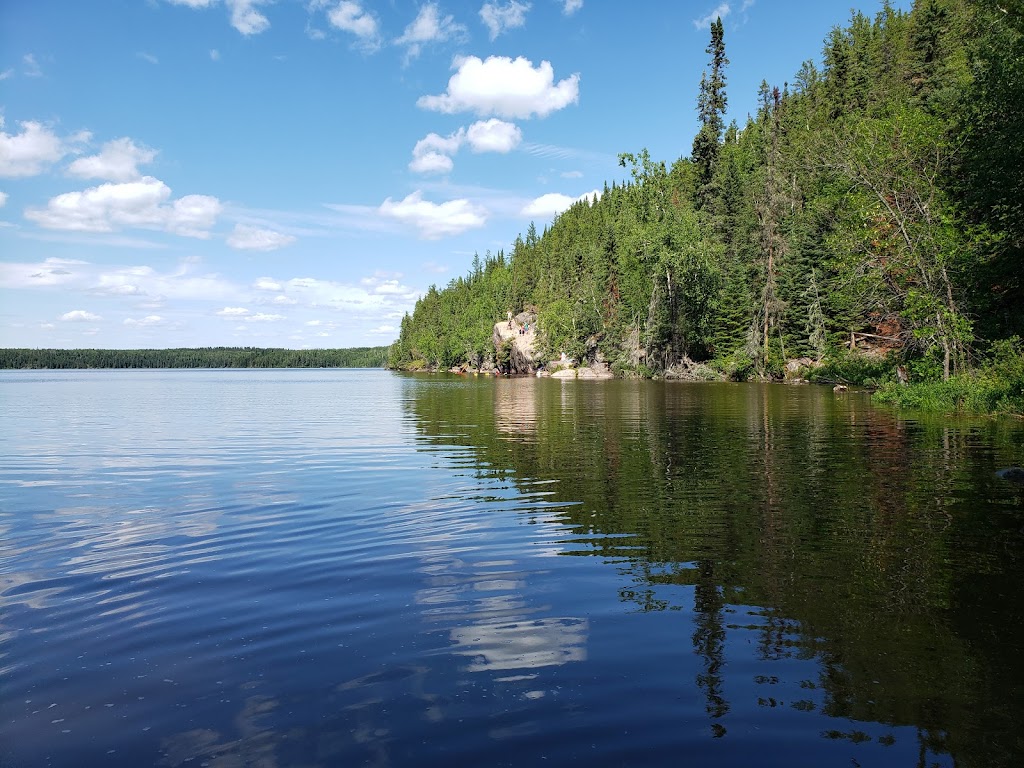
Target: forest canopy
872, 209
205, 357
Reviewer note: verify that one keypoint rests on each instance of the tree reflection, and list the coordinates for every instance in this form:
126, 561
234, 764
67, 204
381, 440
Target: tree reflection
883, 549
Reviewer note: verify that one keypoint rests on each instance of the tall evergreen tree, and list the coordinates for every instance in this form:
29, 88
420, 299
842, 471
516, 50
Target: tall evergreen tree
711, 103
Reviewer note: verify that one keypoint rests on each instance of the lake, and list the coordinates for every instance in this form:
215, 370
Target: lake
342, 567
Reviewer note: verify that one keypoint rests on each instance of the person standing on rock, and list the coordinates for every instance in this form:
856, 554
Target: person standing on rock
509, 313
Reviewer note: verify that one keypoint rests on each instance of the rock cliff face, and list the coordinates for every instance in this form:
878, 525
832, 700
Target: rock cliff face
522, 334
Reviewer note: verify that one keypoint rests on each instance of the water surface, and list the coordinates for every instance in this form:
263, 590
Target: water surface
336, 567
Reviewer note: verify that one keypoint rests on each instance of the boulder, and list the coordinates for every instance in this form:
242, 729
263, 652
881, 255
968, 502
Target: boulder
1012, 474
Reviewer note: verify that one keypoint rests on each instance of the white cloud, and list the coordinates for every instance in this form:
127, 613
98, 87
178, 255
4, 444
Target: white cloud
572, 174
244, 14
435, 220
232, 312
266, 284
246, 238
148, 320
30, 152
245, 18
382, 329
31, 66
723, 9
569, 7
340, 296
493, 136
504, 87
284, 301
432, 154
3, 199
501, 18
350, 16
182, 282
79, 316
214, 54
428, 27
431, 162
433, 142
118, 160
550, 205
144, 204
261, 317
148, 57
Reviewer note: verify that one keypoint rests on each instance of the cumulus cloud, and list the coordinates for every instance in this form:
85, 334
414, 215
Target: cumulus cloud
148, 320
429, 26
118, 160
244, 14
432, 154
433, 142
232, 312
350, 16
143, 204
704, 22
504, 87
246, 238
79, 316
137, 281
431, 162
3, 199
245, 18
30, 152
569, 7
434, 220
493, 136
501, 18
550, 205
384, 296
266, 284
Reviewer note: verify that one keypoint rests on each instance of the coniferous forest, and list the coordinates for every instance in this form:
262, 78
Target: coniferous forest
867, 222
202, 357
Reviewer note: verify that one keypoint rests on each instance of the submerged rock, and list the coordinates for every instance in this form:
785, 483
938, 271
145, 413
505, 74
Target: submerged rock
1012, 474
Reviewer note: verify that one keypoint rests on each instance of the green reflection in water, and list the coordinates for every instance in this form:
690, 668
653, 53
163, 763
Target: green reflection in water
883, 547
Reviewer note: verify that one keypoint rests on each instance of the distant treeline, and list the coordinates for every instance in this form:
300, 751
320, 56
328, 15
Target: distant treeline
204, 357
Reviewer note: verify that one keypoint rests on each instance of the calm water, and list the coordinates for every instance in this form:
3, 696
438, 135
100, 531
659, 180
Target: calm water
336, 568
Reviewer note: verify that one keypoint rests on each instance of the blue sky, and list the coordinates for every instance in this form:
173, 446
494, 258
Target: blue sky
296, 173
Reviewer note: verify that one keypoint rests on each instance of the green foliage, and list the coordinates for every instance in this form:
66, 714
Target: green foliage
205, 357
879, 195
997, 386
846, 367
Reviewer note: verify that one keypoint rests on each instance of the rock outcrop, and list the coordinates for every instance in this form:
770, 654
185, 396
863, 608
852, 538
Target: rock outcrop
520, 335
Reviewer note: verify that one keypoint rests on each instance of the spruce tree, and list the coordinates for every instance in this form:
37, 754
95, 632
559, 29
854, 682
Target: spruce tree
711, 102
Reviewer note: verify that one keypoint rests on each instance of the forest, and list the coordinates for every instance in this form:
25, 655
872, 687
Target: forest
205, 357
865, 226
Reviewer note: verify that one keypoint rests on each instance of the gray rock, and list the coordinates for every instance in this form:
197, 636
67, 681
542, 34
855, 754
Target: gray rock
1012, 474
